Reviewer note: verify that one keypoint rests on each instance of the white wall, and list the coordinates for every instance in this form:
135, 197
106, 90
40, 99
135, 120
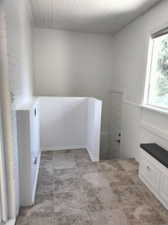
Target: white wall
63, 123
75, 64
70, 123
131, 50
94, 128
19, 40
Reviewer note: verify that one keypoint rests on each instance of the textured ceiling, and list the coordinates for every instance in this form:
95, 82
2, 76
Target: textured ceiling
88, 15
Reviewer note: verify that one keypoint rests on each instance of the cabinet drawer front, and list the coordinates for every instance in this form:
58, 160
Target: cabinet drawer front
164, 187
150, 173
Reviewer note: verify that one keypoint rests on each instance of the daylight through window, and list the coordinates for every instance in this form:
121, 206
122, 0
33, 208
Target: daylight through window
158, 84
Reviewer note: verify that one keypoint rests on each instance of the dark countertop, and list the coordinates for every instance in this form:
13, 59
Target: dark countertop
157, 152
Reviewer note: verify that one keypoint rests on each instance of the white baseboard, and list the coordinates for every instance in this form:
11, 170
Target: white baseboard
61, 148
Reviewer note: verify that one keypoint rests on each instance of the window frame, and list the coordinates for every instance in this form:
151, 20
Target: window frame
152, 37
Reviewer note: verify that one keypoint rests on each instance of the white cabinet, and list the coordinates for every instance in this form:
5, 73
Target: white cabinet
150, 173
29, 151
164, 187
155, 176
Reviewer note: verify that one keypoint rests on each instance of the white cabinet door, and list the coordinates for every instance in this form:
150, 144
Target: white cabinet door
164, 188
150, 173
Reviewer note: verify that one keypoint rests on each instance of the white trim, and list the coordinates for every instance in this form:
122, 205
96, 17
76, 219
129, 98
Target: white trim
158, 28
61, 148
148, 71
155, 109
148, 107
155, 130
131, 103
149, 68
39, 98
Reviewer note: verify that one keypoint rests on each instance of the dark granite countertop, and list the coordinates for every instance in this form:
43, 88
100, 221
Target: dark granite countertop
157, 152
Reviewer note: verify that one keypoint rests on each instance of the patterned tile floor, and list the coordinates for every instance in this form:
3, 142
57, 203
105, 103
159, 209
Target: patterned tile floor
72, 190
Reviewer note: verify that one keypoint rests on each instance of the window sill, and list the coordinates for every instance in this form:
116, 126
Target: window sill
155, 109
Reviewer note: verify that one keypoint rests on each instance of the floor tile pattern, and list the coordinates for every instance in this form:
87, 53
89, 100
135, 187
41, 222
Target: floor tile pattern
72, 190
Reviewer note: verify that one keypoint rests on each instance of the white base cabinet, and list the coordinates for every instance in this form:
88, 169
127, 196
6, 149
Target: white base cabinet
155, 176
164, 188
29, 151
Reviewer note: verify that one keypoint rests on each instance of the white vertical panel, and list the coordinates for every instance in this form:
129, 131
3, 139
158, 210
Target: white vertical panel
3, 186
94, 128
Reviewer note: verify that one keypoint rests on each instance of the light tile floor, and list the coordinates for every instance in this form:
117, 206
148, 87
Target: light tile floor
72, 190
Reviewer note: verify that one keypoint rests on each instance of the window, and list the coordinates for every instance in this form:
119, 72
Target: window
157, 85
